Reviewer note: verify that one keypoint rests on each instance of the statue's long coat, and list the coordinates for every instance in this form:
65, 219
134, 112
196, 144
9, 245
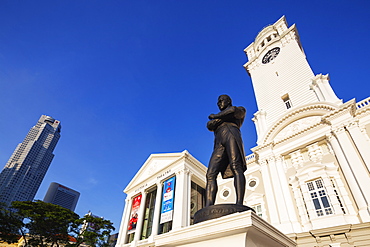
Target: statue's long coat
226, 132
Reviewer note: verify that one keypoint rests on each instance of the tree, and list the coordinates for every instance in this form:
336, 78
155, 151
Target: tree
10, 225
92, 231
45, 223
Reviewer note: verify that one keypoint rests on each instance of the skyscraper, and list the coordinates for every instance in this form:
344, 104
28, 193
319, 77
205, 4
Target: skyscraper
62, 196
26, 168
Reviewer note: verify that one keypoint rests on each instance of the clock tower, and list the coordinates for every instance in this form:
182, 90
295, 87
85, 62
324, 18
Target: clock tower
282, 78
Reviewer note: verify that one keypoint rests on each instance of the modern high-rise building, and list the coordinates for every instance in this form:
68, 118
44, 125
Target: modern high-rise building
22, 175
61, 195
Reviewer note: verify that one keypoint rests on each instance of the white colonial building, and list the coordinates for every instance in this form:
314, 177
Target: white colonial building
309, 175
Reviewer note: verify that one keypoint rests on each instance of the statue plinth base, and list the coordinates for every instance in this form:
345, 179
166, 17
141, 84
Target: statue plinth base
244, 229
217, 211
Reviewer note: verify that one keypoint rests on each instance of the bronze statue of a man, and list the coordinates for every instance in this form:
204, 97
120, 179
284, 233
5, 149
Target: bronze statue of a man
228, 153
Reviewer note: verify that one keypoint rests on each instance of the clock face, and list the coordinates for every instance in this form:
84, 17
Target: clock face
270, 55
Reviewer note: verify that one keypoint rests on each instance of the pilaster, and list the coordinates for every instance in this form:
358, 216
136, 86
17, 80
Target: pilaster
307, 197
322, 88
305, 221
348, 205
288, 200
360, 142
280, 200
331, 194
354, 160
270, 197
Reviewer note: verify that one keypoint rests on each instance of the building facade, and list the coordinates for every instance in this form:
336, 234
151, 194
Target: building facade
163, 196
309, 174
22, 175
61, 195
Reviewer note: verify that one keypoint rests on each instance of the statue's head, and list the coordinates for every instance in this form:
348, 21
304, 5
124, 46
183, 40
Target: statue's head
224, 101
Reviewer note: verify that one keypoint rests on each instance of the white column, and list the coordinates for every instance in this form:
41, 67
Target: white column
157, 211
189, 198
350, 178
181, 212
122, 236
360, 142
140, 217
288, 200
270, 198
356, 163
280, 200
340, 185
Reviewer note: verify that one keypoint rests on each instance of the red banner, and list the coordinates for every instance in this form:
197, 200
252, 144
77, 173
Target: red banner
134, 213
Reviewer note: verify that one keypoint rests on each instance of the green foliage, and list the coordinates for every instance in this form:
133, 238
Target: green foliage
10, 224
92, 231
45, 222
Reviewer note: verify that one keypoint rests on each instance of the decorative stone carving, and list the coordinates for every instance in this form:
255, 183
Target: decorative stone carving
152, 169
297, 159
185, 170
315, 152
297, 126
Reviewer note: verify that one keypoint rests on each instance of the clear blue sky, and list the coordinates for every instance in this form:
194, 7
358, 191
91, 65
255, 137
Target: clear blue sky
131, 78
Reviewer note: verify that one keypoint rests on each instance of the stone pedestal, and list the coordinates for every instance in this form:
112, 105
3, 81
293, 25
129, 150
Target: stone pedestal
217, 211
238, 229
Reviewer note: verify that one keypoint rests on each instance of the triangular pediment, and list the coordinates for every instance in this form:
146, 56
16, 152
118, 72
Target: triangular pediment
153, 165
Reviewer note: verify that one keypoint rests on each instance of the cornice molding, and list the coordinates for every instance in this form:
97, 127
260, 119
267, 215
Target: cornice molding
362, 112
353, 123
363, 108
347, 108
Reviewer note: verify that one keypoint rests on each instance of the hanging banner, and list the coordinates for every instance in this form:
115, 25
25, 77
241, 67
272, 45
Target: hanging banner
134, 213
168, 200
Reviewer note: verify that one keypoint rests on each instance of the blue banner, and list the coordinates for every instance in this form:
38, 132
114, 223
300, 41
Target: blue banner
168, 200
